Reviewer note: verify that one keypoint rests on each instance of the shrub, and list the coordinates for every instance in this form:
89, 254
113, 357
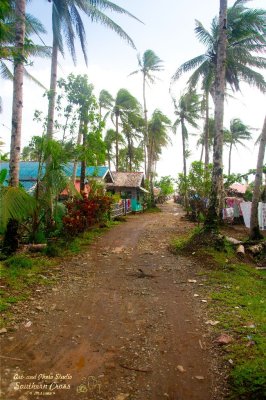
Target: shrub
85, 212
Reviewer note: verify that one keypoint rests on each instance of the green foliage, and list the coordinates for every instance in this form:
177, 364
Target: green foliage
179, 244
15, 204
20, 274
166, 184
198, 180
246, 39
3, 175
19, 261
52, 250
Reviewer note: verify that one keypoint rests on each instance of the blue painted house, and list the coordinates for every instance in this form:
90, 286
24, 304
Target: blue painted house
130, 185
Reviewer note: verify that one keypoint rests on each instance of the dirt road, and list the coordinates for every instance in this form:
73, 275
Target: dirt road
122, 323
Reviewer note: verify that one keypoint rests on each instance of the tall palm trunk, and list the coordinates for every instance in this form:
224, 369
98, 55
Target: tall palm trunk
206, 132
116, 142
183, 131
109, 159
130, 154
20, 7
52, 91
150, 160
216, 197
147, 168
202, 151
230, 157
10, 242
254, 232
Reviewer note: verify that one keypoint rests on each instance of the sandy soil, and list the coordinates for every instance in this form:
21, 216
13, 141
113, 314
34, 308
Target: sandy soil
122, 323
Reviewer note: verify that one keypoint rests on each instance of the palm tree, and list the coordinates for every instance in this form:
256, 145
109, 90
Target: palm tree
216, 196
149, 63
187, 111
210, 137
20, 8
106, 102
157, 139
245, 40
254, 228
66, 19
109, 139
125, 104
8, 50
238, 131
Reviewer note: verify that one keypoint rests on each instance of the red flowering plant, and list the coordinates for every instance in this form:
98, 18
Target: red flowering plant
85, 212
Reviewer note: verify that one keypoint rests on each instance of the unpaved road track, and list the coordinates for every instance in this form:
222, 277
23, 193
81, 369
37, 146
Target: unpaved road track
109, 331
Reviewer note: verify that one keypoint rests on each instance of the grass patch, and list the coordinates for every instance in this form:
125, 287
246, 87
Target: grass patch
19, 275
238, 293
183, 243
152, 210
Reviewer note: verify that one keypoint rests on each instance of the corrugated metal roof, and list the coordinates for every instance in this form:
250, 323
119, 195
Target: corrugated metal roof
29, 170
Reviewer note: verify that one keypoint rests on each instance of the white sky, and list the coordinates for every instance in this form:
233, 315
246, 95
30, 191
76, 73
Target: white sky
168, 30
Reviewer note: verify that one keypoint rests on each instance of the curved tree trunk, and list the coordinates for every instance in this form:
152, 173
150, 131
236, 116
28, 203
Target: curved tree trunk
52, 92
254, 232
216, 197
15, 147
183, 131
201, 153
229, 158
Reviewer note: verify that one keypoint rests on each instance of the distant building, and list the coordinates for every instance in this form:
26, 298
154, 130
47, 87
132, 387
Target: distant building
130, 185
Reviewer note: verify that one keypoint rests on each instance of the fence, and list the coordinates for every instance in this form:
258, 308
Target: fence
122, 208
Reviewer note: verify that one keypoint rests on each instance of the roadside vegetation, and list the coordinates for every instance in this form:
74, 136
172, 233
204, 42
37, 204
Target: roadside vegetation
236, 293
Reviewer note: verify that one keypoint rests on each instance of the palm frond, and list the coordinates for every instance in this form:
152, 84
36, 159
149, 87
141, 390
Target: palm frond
98, 16
33, 25
5, 72
188, 66
15, 203
252, 77
80, 30
203, 35
31, 78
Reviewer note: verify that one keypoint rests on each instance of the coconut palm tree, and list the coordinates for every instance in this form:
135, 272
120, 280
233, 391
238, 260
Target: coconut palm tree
235, 135
157, 139
254, 228
8, 49
106, 101
148, 64
187, 110
109, 139
210, 137
245, 41
132, 130
125, 104
20, 8
66, 24
216, 196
